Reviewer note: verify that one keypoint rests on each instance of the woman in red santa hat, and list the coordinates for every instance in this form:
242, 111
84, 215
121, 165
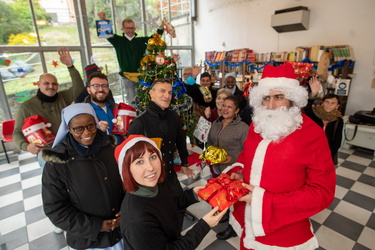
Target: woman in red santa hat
149, 211
287, 166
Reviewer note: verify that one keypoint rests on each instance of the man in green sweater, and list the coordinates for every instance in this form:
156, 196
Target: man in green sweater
48, 103
130, 50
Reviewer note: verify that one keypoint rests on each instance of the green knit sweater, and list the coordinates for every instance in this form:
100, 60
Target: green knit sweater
51, 111
130, 53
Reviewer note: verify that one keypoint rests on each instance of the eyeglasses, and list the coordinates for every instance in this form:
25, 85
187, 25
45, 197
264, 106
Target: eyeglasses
187, 74
79, 130
97, 86
129, 28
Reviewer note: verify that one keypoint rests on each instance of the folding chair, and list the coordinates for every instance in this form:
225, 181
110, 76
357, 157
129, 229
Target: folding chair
7, 135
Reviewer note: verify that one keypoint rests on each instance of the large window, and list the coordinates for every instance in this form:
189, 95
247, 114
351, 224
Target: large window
33, 30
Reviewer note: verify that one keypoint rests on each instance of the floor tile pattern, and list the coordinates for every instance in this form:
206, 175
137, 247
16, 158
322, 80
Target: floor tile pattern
348, 223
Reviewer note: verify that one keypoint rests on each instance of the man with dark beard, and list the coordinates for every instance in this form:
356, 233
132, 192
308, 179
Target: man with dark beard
286, 165
98, 89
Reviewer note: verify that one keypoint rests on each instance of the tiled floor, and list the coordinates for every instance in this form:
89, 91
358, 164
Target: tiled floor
349, 223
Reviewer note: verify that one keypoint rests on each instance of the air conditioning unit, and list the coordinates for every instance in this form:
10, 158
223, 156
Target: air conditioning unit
291, 19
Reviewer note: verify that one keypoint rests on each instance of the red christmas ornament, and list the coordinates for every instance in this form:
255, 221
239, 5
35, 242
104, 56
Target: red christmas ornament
149, 64
167, 61
54, 63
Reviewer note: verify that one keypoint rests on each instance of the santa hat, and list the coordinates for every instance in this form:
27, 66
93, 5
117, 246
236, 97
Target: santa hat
121, 149
280, 78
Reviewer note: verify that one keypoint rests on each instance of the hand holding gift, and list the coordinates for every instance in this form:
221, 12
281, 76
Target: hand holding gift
222, 191
123, 116
36, 130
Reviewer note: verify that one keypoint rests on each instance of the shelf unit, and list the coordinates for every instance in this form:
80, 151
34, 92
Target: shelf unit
245, 69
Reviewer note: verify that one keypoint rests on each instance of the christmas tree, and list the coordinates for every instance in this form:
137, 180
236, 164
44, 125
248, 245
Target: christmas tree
155, 65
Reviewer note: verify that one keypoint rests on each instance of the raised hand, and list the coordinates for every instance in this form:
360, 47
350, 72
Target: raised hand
102, 16
314, 85
65, 57
196, 71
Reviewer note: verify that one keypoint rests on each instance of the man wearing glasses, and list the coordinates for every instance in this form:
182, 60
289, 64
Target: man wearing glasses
98, 89
130, 50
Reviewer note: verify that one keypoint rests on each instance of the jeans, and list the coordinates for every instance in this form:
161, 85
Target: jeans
129, 87
41, 162
118, 246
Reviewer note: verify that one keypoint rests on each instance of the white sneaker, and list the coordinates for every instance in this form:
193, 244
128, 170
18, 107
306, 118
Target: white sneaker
58, 230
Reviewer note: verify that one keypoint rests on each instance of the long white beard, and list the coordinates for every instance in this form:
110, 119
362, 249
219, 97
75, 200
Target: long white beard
276, 124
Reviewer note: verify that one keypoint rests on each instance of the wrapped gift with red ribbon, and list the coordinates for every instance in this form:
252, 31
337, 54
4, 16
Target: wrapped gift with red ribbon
123, 115
222, 191
36, 130
301, 69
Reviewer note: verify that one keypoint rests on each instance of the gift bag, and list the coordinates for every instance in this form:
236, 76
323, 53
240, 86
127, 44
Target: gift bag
36, 130
213, 155
205, 92
123, 115
202, 129
222, 191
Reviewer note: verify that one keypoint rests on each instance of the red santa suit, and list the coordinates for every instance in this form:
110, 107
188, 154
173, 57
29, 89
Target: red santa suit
294, 178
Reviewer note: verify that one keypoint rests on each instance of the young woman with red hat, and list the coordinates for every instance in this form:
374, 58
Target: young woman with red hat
149, 218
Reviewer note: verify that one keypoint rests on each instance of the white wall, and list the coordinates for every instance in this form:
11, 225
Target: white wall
231, 24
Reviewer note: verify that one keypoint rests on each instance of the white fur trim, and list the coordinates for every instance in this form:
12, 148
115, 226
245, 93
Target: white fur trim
33, 128
256, 211
255, 177
311, 244
279, 82
257, 164
130, 144
249, 237
236, 164
234, 223
250, 242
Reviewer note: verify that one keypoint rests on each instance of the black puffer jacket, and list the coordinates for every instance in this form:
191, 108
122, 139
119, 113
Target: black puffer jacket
79, 192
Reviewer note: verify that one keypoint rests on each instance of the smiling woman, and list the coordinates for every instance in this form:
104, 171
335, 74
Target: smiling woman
81, 185
149, 207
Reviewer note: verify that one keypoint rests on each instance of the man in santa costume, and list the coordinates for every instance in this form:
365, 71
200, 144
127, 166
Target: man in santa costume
287, 166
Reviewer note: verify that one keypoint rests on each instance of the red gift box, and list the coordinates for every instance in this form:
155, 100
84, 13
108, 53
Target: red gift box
123, 115
222, 191
36, 130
